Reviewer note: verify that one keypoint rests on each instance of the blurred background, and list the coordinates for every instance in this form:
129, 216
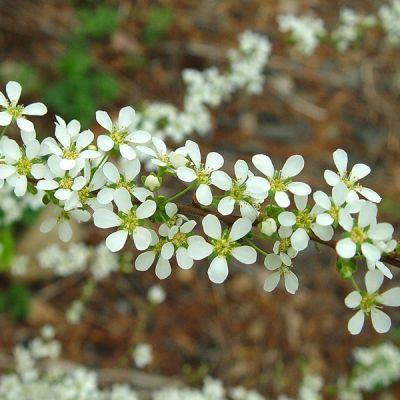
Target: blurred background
81, 56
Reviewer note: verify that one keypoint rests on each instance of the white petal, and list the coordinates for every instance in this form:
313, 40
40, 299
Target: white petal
126, 117
324, 219
123, 200
226, 205
3, 100
111, 172
103, 218
353, 299
105, 143
370, 252
131, 169
183, 259
256, 184
146, 209
25, 125
187, 226
287, 218
127, 151
264, 164
240, 228
367, 214
218, 270
62, 194
340, 159
359, 171
35, 109
199, 249
390, 298
301, 202
167, 251
299, 188
323, 232
271, 282
370, 195
48, 225
142, 238
331, 178
346, 248
291, 282
5, 118
380, 321
104, 120
163, 268
65, 231
204, 195
272, 262
293, 166
6, 170
84, 139
373, 280
356, 323
67, 164
299, 239
345, 220
171, 209
144, 260
10, 149
20, 186
214, 161
282, 199
116, 241
193, 152
245, 254
322, 199
13, 90
221, 180
212, 226
339, 193
186, 174
381, 231
241, 171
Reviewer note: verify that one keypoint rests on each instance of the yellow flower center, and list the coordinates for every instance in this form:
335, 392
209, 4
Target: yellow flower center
223, 247
334, 212
159, 245
278, 185
179, 239
71, 154
84, 194
118, 136
237, 192
367, 302
284, 245
124, 184
304, 219
202, 175
15, 110
129, 221
23, 166
357, 235
66, 182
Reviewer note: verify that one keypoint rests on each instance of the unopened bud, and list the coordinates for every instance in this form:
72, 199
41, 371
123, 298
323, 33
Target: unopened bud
152, 183
268, 227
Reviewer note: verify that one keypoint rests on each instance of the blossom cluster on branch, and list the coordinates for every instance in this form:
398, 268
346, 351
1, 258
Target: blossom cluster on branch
86, 178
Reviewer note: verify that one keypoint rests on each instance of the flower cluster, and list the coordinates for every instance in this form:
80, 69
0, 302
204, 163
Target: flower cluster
86, 178
307, 32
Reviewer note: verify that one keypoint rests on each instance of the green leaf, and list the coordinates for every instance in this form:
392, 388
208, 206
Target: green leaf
6, 248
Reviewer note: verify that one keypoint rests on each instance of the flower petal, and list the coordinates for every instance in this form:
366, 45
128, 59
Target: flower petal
356, 323
240, 228
245, 254
218, 270
380, 321
116, 241
293, 166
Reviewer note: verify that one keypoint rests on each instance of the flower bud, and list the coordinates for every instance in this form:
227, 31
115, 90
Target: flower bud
268, 227
152, 183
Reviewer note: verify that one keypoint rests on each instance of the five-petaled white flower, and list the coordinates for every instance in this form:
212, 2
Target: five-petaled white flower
279, 182
122, 133
237, 192
281, 265
199, 172
20, 163
362, 233
125, 180
222, 246
370, 304
73, 145
12, 111
129, 220
350, 179
304, 221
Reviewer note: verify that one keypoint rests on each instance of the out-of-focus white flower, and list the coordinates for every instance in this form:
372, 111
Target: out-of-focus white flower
156, 294
142, 355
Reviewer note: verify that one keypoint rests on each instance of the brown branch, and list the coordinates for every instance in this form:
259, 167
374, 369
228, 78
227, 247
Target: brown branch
194, 209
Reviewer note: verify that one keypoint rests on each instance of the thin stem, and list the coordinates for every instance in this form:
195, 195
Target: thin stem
254, 246
3, 131
181, 193
353, 281
99, 165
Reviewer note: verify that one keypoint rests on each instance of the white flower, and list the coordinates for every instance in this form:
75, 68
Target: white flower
73, 147
303, 221
122, 133
63, 182
281, 265
129, 220
142, 355
363, 233
283, 244
130, 170
156, 294
152, 182
236, 192
269, 227
17, 112
199, 172
278, 181
162, 157
62, 220
370, 302
20, 164
222, 246
350, 179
